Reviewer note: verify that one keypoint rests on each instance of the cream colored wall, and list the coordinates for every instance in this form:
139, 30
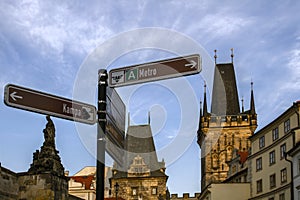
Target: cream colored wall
280, 164
230, 191
227, 191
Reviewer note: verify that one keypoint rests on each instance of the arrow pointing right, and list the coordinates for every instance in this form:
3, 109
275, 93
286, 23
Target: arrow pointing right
192, 64
14, 96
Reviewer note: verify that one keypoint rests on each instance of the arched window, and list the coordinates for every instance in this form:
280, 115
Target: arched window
215, 161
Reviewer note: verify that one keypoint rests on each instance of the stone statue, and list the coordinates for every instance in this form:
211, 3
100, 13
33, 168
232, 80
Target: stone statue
49, 132
47, 159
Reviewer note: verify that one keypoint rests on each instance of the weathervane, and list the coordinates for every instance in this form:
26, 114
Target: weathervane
231, 55
215, 56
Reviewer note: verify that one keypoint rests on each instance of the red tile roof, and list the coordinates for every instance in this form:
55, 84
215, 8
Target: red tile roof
243, 156
86, 180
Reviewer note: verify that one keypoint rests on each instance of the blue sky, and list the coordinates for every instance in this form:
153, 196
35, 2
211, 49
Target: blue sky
44, 45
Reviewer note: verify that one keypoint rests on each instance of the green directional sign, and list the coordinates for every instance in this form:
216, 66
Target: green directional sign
153, 71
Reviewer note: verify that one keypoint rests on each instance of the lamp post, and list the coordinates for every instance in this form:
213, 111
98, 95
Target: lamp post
116, 189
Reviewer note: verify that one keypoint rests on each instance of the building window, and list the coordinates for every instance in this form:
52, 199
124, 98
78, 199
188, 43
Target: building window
282, 151
223, 119
281, 196
287, 126
154, 190
262, 142
275, 134
283, 173
258, 164
272, 181
272, 157
134, 191
259, 186
233, 118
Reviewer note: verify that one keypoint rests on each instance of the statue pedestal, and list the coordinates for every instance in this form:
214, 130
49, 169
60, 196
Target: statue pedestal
42, 186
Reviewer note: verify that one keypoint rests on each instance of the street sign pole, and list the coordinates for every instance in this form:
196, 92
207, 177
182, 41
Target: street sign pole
102, 84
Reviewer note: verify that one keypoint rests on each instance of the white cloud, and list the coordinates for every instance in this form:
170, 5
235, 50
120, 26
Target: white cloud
292, 84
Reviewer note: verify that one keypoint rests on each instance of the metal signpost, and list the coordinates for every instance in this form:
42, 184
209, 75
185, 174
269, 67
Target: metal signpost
100, 165
40, 102
153, 71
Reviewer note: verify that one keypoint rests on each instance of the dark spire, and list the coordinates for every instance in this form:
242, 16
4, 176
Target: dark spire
200, 108
252, 106
242, 104
225, 99
149, 117
205, 102
200, 116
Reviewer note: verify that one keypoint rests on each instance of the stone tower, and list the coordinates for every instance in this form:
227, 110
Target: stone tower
225, 128
142, 176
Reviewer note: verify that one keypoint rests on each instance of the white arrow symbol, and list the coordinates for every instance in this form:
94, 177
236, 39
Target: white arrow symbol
14, 96
192, 64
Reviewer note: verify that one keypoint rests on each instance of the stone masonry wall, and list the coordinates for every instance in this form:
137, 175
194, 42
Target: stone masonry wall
42, 186
8, 184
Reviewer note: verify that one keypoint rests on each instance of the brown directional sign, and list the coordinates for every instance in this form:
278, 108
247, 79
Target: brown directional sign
115, 125
153, 71
35, 101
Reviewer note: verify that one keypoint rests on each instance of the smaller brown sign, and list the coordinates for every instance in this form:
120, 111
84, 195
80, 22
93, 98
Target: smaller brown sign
40, 102
153, 71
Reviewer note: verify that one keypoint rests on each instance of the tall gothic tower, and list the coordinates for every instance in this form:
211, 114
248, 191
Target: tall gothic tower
226, 127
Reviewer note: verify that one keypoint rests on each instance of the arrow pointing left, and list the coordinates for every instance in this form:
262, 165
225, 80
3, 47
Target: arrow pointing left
14, 96
49, 104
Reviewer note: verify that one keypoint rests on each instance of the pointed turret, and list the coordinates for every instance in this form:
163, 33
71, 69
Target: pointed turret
252, 105
243, 110
205, 113
149, 117
201, 109
200, 122
200, 118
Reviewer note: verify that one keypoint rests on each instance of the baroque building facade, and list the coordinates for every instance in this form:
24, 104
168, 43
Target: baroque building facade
226, 128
